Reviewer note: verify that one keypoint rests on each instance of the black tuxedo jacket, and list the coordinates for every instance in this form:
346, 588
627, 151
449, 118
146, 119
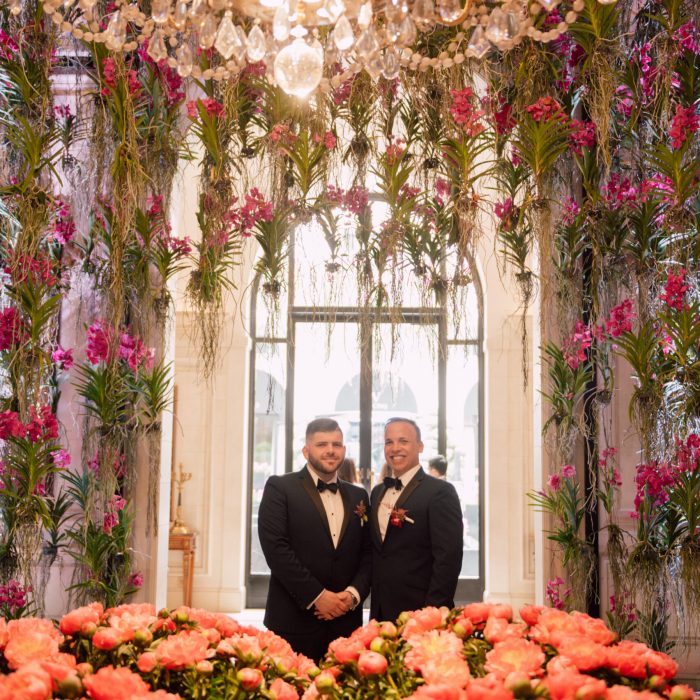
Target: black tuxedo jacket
297, 543
418, 564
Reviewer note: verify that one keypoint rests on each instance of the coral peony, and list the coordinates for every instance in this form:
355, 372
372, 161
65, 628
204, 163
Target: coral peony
530, 614
488, 688
147, 662
111, 683
346, 649
72, 622
281, 690
182, 650
371, 664
446, 670
31, 682
515, 655
31, 639
432, 645
585, 653
107, 638
250, 678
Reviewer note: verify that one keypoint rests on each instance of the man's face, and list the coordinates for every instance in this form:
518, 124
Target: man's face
324, 452
401, 447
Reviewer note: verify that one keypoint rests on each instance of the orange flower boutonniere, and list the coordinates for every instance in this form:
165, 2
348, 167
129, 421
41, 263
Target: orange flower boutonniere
361, 512
399, 516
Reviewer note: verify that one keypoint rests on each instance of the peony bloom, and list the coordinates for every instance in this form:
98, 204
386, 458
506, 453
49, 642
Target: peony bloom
515, 655
571, 685
111, 683
432, 645
530, 614
107, 638
366, 633
250, 678
31, 682
31, 639
146, 662
423, 620
72, 622
281, 690
478, 613
438, 691
446, 670
499, 629
182, 650
346, 649
488, 688
370, 663
585, 654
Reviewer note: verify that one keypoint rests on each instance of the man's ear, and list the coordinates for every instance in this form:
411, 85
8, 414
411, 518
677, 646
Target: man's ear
305, 452
420, 447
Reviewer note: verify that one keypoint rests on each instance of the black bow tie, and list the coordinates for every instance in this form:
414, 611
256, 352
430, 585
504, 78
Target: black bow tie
392, 483
323, 486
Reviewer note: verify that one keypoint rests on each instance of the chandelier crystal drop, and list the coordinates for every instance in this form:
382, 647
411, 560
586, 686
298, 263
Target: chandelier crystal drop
301, 41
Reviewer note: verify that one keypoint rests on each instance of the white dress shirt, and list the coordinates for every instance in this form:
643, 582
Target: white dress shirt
335, 511
333, 504
389, 500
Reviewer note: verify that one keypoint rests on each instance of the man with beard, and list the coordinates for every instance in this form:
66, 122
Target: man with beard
314, 534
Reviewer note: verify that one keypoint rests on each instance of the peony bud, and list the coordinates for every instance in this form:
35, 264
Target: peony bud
462, 629
372, 664
250, 678
313, 672
147, 662
403, 618
657, 683
106, 638
164, 612
378, 645
206, 668
70, 687
181, 616
388, 630
88, 629
143, 636
681, 692
518, 683
84, 668
325, 682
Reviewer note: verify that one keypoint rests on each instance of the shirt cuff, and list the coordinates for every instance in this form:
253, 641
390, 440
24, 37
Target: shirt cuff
355, 594
313, 602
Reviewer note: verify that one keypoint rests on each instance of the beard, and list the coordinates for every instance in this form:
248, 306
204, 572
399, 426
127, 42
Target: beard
321, 467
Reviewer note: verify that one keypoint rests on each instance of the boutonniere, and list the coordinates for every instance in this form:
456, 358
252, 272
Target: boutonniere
361, 512
399, 516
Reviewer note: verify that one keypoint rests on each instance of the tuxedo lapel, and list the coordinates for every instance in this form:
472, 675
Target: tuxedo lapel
407, 490
312, 491
347, 508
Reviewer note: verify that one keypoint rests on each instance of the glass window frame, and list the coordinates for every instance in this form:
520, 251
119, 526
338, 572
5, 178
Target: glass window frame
468, 589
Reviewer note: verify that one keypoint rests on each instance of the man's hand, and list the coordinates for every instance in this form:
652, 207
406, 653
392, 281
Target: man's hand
331, 605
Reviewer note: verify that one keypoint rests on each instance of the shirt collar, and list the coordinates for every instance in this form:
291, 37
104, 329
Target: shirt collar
407, 476
315, 477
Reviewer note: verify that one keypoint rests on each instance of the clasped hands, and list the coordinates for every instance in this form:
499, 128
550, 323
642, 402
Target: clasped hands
330, 605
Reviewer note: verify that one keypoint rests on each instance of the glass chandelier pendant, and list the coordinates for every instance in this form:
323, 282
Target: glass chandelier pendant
299, 67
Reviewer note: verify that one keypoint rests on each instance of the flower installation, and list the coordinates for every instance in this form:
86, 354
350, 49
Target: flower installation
478, 651
576, 150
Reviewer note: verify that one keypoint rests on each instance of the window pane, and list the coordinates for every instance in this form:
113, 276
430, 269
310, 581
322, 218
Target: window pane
405, 383
463, 314
268, 434
326, 382
463, 445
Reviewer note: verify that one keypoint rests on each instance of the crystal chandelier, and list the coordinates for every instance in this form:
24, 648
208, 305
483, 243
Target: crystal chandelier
307, 44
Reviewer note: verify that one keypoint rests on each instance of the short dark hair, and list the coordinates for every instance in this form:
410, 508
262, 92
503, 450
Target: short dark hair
400, 419
322, 425
439, 464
